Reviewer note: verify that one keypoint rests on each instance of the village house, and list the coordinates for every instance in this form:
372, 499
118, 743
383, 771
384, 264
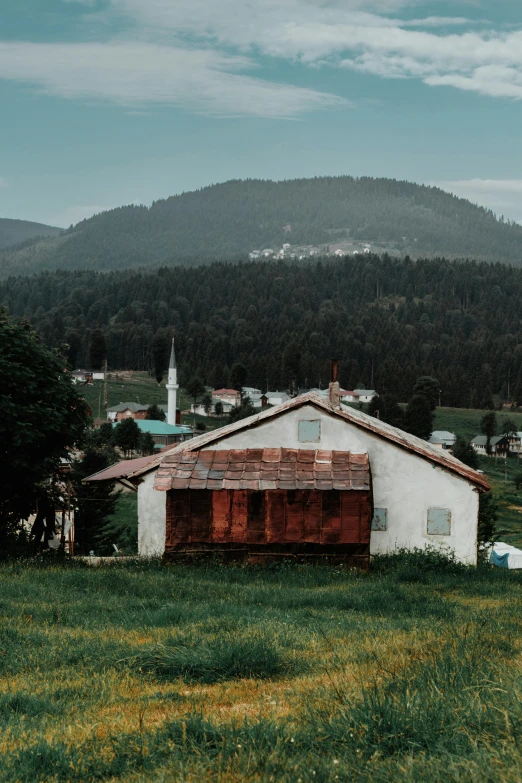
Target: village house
443, 439
498, 445
164, 434
365, 395
515, 443
349, 396
308, 478
277, 397
227, 397
127, 410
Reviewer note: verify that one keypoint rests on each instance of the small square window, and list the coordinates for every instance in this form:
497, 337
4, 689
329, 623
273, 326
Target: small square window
310, 431
439, 522
380, 519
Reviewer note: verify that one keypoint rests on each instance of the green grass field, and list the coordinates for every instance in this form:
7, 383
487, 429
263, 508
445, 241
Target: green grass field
137, 387
466, 421
138, 672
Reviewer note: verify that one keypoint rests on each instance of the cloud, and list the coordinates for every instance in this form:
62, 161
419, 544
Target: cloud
201, 54
363, 35
136, 73
503, 196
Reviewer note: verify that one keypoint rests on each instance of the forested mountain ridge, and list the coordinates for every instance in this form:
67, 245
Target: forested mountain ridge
387, 320
14, 232
231, 219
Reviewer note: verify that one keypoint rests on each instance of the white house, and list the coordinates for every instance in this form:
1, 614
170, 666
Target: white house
277, 398
349, 396
365, 395
420, 495
443, 439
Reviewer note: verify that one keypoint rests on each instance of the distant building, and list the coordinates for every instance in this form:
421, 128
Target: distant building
365, 395
249, 390
498, 446
81, 376
230, 396
349, 396
515, 443
164, 434
258, 400
199, 408
443, 439
127, 410
277, 397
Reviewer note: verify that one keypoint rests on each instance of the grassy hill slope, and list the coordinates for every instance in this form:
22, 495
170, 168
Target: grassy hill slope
16, 232
230, 219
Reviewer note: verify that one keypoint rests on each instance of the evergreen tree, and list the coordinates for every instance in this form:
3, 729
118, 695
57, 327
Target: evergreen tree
430, 388
97, 349
464, 451
159, 355
127, 436
419, 417
155, 413
146, 444
238, 376
94, 502
488, 427
195, 389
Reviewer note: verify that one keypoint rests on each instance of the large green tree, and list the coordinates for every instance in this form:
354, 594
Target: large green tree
127, 436
488, 427
97, 349
43, 418
419, 417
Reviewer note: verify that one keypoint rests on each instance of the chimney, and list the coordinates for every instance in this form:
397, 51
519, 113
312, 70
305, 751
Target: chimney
334, 390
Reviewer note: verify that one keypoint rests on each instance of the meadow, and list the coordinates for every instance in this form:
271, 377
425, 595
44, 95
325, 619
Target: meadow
139, 672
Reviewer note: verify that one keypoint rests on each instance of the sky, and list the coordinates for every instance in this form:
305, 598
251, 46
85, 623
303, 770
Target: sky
111, 102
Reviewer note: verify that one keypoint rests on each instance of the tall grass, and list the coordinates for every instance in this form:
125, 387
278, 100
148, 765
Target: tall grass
144, 673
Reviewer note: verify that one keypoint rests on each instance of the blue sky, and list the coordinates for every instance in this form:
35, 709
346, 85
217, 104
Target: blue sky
109, 102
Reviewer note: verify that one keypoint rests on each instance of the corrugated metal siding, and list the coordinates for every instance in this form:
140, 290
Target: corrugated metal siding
257, 518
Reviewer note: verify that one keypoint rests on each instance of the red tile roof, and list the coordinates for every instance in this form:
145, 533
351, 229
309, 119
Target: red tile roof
260, 469
228, 392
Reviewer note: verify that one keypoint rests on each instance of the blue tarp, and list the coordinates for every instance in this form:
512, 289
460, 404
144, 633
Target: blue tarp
500, 561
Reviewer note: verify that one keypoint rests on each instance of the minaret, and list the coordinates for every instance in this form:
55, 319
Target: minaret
172, 387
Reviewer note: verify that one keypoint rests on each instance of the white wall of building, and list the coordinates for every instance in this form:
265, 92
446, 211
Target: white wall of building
151, 518
403, 483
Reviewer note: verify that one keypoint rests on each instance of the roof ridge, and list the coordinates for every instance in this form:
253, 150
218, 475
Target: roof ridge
400, 438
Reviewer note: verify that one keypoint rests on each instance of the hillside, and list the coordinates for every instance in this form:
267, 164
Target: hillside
388, 321
16, 232
231, 219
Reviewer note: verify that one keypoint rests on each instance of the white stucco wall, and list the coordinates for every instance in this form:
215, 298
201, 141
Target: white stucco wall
151, 518
403, 483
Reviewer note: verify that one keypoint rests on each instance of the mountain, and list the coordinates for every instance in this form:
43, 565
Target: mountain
15, 232
229, 220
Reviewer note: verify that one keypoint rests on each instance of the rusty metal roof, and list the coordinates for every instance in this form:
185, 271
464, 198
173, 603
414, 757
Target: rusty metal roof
122, 469
260, 469
357, 418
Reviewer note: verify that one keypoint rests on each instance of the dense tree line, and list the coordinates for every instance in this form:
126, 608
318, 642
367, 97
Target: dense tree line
233, 218
388, 321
